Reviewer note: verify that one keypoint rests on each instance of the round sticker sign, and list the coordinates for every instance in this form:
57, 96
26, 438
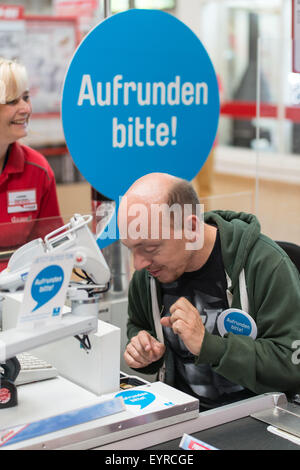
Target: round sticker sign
236, 321
140, 96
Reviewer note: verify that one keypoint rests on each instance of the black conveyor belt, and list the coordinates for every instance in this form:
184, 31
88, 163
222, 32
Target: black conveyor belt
241, 434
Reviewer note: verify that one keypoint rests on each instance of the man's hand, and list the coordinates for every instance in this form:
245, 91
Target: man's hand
185, 321
142, 350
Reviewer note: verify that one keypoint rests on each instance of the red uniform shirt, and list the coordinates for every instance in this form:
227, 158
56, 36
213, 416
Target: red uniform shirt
27, 193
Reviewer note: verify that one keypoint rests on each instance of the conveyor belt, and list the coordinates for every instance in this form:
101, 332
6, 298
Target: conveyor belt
242, 434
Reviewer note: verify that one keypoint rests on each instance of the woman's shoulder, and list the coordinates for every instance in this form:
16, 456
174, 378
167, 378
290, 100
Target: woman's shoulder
32, 155
34, 159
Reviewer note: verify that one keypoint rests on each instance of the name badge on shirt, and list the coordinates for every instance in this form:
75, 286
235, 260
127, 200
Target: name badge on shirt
236, 321
21, 201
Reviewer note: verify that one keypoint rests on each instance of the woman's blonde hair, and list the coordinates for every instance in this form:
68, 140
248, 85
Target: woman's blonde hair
13, 80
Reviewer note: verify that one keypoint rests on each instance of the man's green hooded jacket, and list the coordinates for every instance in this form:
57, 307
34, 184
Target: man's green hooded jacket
271, 362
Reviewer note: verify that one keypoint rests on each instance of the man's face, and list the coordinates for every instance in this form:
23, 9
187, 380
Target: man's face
164, 256
166, 260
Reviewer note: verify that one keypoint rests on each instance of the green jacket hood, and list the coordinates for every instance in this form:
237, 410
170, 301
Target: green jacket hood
239, 231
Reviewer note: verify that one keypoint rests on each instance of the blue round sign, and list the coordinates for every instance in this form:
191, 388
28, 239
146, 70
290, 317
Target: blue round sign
140, 96
238, 322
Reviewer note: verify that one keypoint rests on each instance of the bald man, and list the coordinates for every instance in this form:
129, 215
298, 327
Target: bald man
187, 273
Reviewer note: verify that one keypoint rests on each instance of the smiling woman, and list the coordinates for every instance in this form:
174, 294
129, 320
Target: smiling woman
27, 185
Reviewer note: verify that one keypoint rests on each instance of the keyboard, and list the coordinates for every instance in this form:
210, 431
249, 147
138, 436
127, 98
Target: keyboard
34, 369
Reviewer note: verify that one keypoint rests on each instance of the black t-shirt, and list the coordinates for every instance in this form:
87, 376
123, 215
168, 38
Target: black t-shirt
206, 290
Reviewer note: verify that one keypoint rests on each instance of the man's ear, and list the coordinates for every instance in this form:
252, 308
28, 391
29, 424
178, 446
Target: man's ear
190, 226
194, 232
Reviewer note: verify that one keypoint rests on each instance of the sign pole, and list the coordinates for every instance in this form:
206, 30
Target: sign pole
107, 9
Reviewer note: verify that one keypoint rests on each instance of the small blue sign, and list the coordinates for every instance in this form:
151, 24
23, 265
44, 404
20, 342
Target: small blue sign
140, 398
46, 285
140, 96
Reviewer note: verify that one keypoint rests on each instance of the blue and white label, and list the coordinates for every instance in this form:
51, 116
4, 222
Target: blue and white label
140, 96
141, 401
46, 287
140, 398
238, 322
